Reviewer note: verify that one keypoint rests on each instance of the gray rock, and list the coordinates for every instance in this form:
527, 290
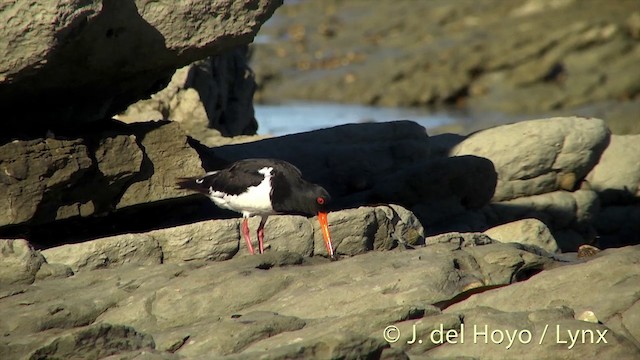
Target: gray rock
539, 156
460, 239
616, 177
618, 226
526, 231
581, 287
94, 342
90, 53
211, 98
169, 157
45, 180
119, 157
559, 210
53, 271
263, 302
107, 252
19, 262
31, 171
205, 240
441, 187
344, 159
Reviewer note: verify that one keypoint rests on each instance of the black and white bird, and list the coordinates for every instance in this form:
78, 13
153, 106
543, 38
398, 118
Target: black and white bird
263, 187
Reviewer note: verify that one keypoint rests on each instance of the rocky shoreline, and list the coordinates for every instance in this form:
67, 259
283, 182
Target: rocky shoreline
499, 62
520, 240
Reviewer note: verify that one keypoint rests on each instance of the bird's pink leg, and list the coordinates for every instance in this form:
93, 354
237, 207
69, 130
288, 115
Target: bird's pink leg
245, 233
263, 221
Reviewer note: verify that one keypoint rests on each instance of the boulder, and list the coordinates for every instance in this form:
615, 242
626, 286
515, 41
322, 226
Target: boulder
525, 231
539, 156
439, 188
90, 53
344, 159
19, 262
616, 177
210, 98
559, 210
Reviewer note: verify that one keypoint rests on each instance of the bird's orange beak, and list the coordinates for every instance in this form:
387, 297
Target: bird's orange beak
324, 225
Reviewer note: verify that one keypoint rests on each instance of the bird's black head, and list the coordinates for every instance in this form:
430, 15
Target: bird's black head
321, 199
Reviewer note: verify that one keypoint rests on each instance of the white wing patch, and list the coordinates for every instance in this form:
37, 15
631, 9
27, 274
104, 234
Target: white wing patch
255, 201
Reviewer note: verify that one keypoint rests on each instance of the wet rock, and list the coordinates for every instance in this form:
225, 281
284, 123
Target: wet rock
526, 231
616, 177
90, 53
19, 262
107, 252
539, 156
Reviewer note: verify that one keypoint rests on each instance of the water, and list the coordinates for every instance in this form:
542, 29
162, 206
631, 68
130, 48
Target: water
295, 117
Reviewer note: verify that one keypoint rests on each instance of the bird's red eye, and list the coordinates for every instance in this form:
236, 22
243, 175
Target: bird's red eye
320, 200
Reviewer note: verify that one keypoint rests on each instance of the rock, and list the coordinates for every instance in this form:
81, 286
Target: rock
525, 329
357, 231
536, 157
580, 289
353, 231
245, 307
526, 231
344, 159
119, 157
90, 53
32, 171
95, 342
618, 226
442, 187
311, 57
107, 252
53, 271
616, 177
460, 239
214, 93
108, 168
559, 210
19, 262
205, 240
169, 157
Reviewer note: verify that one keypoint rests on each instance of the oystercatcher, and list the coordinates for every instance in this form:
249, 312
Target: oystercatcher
263, 187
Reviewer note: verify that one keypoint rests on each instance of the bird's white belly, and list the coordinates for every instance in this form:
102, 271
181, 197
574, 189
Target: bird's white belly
255, 201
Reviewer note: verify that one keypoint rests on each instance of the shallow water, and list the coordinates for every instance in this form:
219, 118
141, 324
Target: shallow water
295, 117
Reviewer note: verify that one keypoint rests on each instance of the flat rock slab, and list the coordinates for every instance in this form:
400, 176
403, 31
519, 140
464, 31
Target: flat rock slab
354, 231
263, 302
